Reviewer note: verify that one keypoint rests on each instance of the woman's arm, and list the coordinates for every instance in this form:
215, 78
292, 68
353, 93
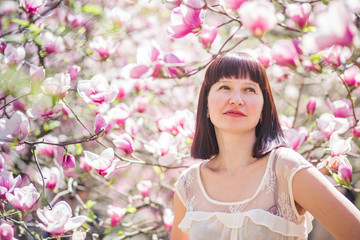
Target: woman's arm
332, 209
179, 213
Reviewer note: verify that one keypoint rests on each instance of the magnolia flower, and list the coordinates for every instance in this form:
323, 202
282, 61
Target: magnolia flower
136, 71
140, 104
13, 55
117, 16
100, 162
42, 107
47, 149
341, 108
32, 6
232, 4
37, 74
101, 123
165, 147
124, 142
84, 165
207, 36
68, 161
3, 45
75, 20
57, 86
172, 67
51, 176
311, 106
352, 75
59, 220
335, 26
133, 127
299, 13
23, 198
74, 71
104, 47
144, 187
284, 53
345, 173
186, 19
8, 183
116, 214
52, 43
295, 137
96, 91
327, 124
168, 219
339, 146
265, 55
6, 231
14, 129
336, 55
258, 17
119, 114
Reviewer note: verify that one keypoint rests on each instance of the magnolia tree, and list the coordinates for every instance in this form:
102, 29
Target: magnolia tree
98, 98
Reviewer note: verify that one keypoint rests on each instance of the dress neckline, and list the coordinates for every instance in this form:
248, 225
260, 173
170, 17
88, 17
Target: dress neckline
262, 182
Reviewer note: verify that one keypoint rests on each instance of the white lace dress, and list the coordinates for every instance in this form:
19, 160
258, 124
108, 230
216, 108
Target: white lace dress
270, 214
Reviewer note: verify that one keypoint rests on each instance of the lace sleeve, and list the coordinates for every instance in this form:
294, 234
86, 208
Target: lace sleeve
180, 188
289, 163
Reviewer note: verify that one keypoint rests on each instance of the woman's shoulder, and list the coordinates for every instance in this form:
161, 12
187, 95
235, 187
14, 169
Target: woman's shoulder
289, 160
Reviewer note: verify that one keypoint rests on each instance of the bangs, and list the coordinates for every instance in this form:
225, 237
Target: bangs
235, 66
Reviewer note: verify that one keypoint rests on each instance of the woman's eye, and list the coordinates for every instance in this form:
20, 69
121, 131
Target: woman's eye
250, 89
224, 87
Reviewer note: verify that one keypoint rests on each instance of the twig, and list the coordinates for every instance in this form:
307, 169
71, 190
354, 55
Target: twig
13, 100
298, 104
23, 226
350, 98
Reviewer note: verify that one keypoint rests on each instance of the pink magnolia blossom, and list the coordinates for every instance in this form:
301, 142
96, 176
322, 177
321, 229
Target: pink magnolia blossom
117, 16
74, 71
150, 55
140, 104
104, 47
23, 198
232, 4
258, 17
207, 36
32, 6
168, 219
356, 131
311, 106
59, 220
265, 55
97, 90
333, 163
115, 214
76, 20
2, 163
345, 173
186, 19
52, 43
335, 26
119, 114
8, 183
352, 75
173, 64
100, 162
133, 127
3, 45
47, 149
339, 146
101, 123
144, 187
327, 124
14, 129
284, 53
336, 55
42, 107
37, 74
123, 87
51, 176
165, 147
295, 137
299, 13
341, 108
6, 231
68, 161
84, 165
14, 55
57, 86
124, 142
136, 71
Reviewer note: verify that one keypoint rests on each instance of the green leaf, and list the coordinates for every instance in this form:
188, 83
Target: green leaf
10, 211
108, 230
121, 233
54, 124
79, 148
92, 216
131, 209
20, 22
112, 181
90, 203
35, 29
92, 9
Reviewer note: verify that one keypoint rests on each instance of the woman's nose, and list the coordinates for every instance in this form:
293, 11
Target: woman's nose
236, 99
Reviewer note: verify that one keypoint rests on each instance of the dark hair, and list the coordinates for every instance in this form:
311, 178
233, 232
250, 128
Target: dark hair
268, 132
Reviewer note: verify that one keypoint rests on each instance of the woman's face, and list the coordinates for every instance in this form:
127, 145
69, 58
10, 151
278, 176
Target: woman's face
235, 105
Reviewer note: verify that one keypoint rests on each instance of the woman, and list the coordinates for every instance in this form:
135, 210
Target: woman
253, 186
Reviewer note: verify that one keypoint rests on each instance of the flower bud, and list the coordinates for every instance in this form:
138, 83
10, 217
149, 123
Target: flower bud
101, 123
116, 214
144, 187
311, 106
345, 173
68, 161
207, 36
6, 232
74, 71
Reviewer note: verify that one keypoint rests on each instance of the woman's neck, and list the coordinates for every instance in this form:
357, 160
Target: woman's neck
235, 151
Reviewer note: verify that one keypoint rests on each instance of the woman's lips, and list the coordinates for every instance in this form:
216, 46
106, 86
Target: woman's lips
235, 113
